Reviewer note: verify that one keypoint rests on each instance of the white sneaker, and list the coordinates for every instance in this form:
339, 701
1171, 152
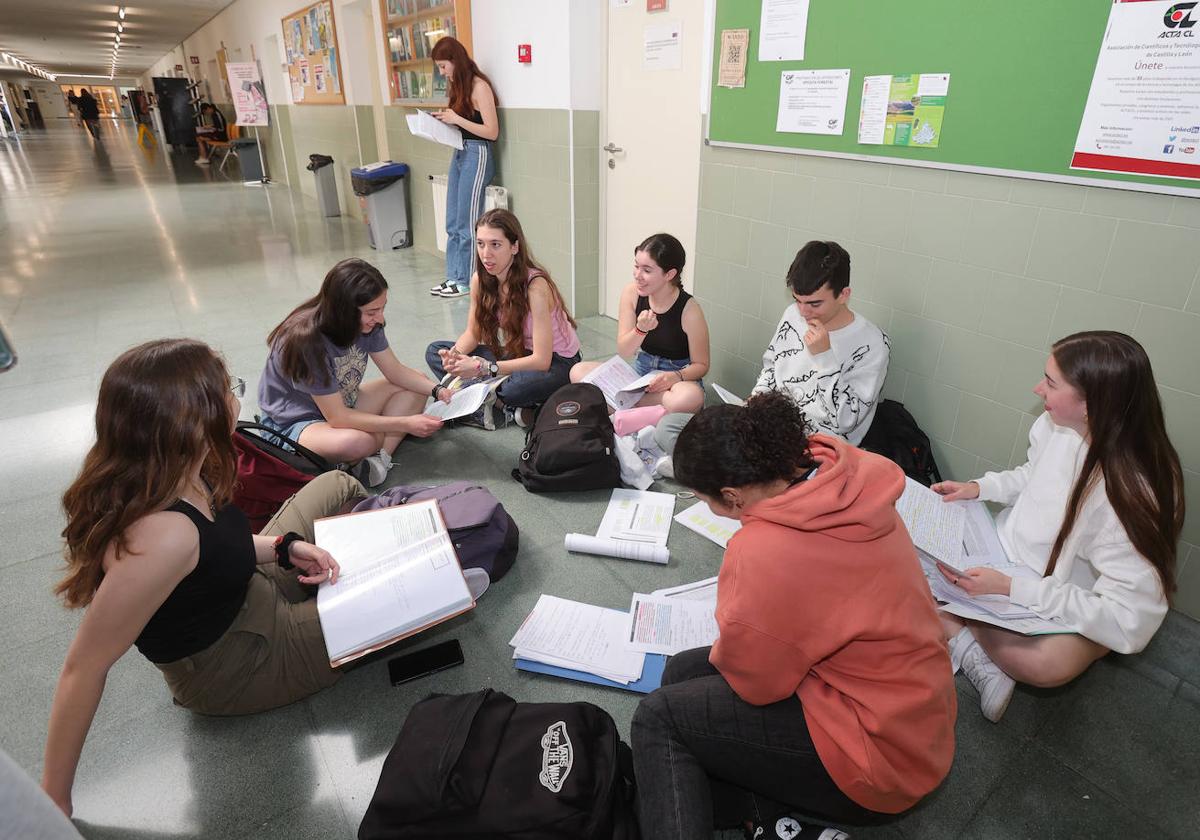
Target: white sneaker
439, 288
524, 417
478, 582
203, 161
376, 468
994, 686
958, 644
453, 290
664, 467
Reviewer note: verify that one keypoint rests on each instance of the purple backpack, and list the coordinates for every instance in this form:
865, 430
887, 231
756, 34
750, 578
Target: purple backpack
484, 535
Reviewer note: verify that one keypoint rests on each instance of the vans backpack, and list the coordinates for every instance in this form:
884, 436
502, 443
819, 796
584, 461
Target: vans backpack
570, 446
483, 765
269, 474
484, 535
895, 435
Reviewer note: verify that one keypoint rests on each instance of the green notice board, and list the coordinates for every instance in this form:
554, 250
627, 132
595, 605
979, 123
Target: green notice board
1019, 70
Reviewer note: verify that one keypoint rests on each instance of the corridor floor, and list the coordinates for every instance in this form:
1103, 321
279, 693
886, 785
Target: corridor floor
104, 246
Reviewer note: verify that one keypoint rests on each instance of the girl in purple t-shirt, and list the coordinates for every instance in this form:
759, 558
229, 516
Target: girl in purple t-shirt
518, 326
312, 392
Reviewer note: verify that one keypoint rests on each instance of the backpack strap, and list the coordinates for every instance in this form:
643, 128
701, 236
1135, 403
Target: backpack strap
267, 433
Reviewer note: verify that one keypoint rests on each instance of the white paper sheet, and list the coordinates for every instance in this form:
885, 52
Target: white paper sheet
658, 624
812, 101
872, 111
1027, 626
613, 378
626, 550
464, 403
727, 396
424, 124
662, 46
579, 636
782, 28
935, 526
700, 518
638, 516
701, 590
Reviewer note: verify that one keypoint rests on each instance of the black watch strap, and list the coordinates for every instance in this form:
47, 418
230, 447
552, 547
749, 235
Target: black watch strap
436, 387
494, 368
283, 547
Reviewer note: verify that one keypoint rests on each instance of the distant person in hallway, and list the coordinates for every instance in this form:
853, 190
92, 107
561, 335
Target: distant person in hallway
518, 327
829, 690
472, 109
829, 358
165, 562
312, 391
215, 130
662, 328
89, 112
73, 104
1096, 512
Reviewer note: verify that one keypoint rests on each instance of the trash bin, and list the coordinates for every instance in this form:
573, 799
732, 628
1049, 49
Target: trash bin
321, 166
249, 160
383, 190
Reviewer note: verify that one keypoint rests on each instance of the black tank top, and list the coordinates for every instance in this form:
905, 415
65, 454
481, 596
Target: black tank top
668, 339
205, 602
476, 117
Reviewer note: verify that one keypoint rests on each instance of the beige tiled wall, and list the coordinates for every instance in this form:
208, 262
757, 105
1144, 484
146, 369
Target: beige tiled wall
327, 130
585, 163
972, 277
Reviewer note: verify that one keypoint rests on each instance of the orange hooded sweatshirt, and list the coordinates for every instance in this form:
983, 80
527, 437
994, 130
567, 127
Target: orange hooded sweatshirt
821, 595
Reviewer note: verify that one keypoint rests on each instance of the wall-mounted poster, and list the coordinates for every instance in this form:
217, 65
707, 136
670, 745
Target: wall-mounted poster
311, 49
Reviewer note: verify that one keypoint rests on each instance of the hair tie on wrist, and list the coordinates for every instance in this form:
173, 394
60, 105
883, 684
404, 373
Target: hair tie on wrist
640, 331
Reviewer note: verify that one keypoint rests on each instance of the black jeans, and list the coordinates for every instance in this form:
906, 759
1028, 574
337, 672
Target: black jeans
704, 757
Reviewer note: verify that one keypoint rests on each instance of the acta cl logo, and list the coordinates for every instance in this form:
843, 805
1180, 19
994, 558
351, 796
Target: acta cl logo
1180, 16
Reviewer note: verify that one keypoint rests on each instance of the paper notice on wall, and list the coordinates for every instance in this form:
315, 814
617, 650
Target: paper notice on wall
297, 91
812, 101
1143, 109
319, 77
732, 69
903, 110
782, 29
663, 48
304, 72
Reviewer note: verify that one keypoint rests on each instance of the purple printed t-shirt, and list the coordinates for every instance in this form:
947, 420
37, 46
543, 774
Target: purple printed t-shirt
287, 402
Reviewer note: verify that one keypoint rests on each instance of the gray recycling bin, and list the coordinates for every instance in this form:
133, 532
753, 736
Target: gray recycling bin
382, 189
249, 160
321, 166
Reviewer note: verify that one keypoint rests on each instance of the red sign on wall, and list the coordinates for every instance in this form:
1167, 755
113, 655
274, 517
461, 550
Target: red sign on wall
195, 59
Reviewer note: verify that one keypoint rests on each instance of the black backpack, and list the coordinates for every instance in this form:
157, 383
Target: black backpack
570, 446
483, 765
895, 435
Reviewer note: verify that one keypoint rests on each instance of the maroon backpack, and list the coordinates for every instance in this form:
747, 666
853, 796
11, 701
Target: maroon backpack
269, 474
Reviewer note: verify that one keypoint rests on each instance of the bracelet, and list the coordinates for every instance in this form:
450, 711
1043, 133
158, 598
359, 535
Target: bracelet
436, 388
283, 547
679, 373
479, 365
639, 330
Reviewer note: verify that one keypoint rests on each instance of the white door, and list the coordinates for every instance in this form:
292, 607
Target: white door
650, 139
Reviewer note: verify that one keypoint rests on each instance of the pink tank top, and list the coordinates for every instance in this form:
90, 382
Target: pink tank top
566, 342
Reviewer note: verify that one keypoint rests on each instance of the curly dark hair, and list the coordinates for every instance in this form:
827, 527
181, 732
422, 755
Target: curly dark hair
735, 446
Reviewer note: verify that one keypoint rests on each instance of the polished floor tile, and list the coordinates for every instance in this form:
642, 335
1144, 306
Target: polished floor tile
101, 248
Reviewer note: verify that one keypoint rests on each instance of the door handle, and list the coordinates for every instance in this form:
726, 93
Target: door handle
612, 148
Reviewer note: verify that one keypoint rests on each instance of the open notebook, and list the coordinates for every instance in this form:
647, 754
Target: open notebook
399, 575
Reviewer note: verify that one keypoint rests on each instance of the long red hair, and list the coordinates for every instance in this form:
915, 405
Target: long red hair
163, 406
462, 80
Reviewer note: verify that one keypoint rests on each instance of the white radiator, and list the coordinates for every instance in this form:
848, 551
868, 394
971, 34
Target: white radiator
493, 197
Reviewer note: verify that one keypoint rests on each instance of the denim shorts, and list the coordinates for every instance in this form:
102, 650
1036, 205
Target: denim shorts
645, 362
291, 432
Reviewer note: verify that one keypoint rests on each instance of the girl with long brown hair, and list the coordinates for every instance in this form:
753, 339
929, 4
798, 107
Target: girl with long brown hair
1096, 511
473, 110
518, 326
311, 390
163, 560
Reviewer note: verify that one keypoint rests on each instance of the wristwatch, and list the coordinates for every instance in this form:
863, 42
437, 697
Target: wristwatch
433, 393
493, 368
283, 548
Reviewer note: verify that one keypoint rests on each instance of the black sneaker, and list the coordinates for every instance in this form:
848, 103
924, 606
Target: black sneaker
439, 288
789, 827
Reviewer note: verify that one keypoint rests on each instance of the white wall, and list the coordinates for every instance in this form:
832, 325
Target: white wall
587, 55
498, 26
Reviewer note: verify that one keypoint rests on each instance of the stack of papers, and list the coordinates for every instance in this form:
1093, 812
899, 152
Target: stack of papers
635, 527
935, 526
463, 404
424, 124
619, 382
670, 624
700, 518
578, 637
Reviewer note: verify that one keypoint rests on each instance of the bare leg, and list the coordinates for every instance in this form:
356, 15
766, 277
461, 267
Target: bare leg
1041, 661
683, 398
582, 369
203, 144
377, 397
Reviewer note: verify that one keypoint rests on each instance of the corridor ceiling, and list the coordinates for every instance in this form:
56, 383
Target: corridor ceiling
69, 37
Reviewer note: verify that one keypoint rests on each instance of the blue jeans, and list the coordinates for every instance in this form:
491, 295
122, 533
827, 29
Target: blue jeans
645, 362
521, 389
471, 169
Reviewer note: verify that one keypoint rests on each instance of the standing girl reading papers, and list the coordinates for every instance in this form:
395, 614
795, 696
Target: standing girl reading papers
163, 560
310, 389
1096, 511
518, 327
828, 690
662, 327
473, 109
830, 359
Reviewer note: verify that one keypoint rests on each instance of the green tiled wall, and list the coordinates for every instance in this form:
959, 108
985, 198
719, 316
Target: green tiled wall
327, 130
585, 162
973, 277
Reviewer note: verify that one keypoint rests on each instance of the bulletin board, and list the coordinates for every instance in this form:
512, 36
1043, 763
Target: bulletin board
312, 56
1020, 73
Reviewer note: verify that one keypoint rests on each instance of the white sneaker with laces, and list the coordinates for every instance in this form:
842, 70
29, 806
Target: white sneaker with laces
203, 161
994, 686
453, 290
377, 468
439, 288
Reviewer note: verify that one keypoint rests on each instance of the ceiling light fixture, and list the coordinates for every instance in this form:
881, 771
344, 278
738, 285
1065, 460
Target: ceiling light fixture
121, 13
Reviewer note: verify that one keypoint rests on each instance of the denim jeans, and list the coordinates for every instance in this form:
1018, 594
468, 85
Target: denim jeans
704, 757
521, 389
645, 362
471, 169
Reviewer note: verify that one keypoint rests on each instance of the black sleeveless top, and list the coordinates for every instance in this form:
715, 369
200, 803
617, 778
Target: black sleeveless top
668, 339
476, 117
203, 605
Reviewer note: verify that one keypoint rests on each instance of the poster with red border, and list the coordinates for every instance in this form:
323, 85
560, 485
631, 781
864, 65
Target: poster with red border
1143, 109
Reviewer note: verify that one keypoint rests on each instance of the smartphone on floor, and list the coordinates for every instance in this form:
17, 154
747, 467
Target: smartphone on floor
425, 661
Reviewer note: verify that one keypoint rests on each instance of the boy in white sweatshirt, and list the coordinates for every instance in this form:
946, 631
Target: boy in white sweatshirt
830, 359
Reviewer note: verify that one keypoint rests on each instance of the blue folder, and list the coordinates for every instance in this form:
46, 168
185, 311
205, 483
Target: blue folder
651, 678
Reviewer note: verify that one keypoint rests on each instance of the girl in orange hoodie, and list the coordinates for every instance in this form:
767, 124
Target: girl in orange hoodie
829, 690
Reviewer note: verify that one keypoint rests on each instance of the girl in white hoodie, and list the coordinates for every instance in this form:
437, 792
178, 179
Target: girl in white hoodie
1097, 511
